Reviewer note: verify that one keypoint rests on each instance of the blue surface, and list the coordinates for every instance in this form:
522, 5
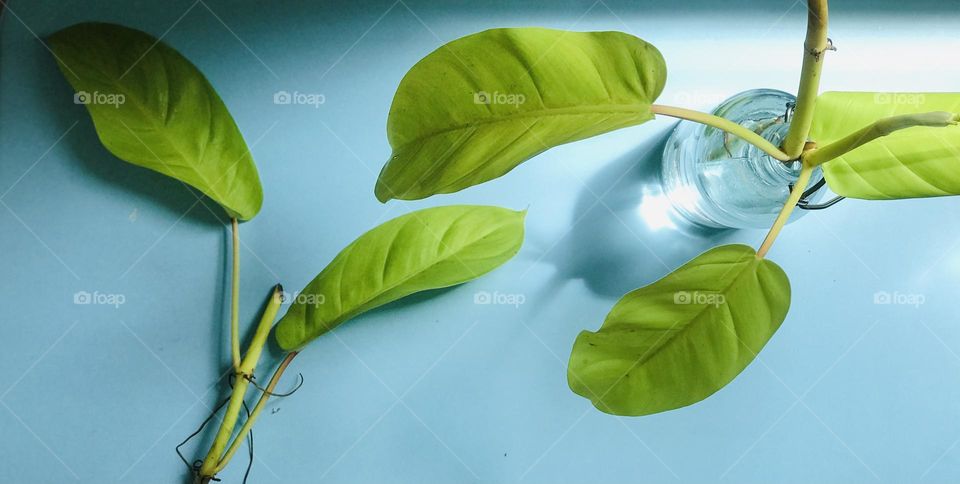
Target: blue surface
437, 388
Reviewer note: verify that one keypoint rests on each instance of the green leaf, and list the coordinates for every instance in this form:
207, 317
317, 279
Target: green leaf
479, 106
428, 249
682, 338
153, 108
911, 163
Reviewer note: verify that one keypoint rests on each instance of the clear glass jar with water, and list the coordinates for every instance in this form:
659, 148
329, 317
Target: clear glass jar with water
715, 179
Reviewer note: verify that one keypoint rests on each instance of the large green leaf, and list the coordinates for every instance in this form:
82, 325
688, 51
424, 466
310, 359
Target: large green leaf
914, 162
153, 108
682, 338
477, 107
428, 249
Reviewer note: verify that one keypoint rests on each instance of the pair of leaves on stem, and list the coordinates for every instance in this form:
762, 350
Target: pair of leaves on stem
153, 108
500, 97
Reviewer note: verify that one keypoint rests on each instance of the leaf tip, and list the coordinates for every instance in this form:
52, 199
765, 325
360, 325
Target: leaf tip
382, 192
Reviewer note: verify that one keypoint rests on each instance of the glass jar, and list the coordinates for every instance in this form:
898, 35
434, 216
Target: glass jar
717, 180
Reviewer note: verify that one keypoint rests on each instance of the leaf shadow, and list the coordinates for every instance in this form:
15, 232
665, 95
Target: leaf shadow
627, 233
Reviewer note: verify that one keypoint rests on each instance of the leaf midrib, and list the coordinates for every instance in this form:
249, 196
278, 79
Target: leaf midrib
650, 355
539, 113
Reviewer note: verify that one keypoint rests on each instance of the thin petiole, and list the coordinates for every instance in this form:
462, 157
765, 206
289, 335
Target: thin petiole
880, 128
235, 297
724, 125
801, 184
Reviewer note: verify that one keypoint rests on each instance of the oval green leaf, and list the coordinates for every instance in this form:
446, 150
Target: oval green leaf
153, 108
479, 106
682, 338
912, 163
427, 249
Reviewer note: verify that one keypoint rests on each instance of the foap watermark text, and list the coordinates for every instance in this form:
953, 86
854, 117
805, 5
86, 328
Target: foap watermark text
499, 298
497, 97
897, 298
299, 98
914, 99
697, 297
314, 300
97, 97
99, 298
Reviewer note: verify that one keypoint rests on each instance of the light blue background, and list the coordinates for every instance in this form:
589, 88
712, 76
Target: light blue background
437, 388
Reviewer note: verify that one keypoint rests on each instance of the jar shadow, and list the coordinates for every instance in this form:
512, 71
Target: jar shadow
626, 232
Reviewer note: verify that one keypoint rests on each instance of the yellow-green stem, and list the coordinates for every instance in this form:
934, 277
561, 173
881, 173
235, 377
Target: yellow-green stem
235, 297
261, 403
724, 125
814, 47
784, 215
247, 367
252, 356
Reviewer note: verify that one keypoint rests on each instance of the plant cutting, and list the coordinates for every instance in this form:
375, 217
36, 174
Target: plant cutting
172, 121
676, 341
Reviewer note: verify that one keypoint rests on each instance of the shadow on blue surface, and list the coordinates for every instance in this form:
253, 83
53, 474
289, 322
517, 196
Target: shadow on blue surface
628, 234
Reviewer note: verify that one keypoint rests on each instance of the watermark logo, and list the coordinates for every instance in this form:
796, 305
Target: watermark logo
499, 298
496, 97
299, 98
914, 99
697, 297
97, 97
314, 300
99, 298
899, 298
698, 98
